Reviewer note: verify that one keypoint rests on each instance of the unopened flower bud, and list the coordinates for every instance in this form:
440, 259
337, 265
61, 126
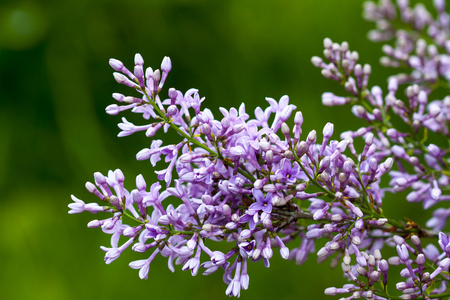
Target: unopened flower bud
322, 252
269, 156
226, 209
285, 129
114, 200
166, 64
356, 240
361, 271
316, 61
94, 224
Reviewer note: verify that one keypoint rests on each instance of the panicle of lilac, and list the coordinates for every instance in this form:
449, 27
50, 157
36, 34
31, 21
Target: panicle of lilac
410, 47
237, 178
412, 109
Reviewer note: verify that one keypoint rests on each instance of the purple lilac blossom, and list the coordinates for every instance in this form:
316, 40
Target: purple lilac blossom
257, 184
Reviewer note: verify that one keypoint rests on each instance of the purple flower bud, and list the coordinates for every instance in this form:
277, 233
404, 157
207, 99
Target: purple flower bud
192, 243
245, 234
285, 129
322, 252
327, 73
445, 263
356, 240
384, 266
329, 99
121, 79
138, 60
91, 188
256, 253
401, 286
336, 218
267, 252
426, 277
314, 233
114, 200
347, 167
388, 163
327, 43
172, 110
231, 225
270, 188
436, 191
94, 224
226, 210
356, 210
139, 73
205, 227
136, 196
420, 260
403, 252
317, 61
116, 64
359, 224
360, 258
312, 137
331, 291
112, 109
156, 75
269, 156
342, 145
118, 97
328, 130
398, 239
284, 251
434, 150
375, 276
361, 271
166, 64
415, 240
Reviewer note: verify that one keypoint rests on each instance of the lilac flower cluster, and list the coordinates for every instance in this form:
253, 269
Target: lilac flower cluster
258, 184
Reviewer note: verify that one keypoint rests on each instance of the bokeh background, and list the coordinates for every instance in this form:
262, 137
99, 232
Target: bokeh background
55, 82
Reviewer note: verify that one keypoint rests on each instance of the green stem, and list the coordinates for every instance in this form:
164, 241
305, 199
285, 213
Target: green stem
330, 194
390, 221
125, 213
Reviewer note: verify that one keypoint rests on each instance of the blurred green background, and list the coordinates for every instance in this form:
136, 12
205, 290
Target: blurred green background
54, 133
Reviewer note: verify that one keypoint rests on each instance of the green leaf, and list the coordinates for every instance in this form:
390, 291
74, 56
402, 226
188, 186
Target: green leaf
446, 172
430, 287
